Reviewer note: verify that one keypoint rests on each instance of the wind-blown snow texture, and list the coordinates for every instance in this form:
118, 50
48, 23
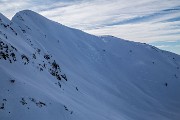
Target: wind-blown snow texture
51, 72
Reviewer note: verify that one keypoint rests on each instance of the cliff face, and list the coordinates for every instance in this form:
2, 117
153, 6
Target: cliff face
49, 71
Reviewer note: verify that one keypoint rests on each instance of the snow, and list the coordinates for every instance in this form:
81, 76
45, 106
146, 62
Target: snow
107, 78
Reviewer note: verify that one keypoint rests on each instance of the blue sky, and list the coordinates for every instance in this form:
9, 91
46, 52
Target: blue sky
156, 22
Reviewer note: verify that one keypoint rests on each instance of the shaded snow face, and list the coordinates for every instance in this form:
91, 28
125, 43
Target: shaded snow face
49, 71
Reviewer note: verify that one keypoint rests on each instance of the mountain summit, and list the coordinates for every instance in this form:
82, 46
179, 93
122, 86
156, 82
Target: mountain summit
52, 72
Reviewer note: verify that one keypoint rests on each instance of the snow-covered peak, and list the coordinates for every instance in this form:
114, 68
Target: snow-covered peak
28, 14
50, 71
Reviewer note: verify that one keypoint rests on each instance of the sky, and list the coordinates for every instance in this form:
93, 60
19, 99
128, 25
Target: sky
156, 22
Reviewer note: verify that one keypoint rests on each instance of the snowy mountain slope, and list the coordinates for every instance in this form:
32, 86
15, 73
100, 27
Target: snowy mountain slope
49, 71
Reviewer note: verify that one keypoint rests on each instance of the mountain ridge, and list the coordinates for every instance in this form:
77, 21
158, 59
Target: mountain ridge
64, 73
